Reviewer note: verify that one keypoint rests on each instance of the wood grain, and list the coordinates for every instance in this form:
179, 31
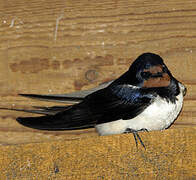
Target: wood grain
63, 46
169, 154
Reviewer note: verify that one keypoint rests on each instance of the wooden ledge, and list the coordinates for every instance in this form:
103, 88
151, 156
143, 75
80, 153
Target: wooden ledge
169, 154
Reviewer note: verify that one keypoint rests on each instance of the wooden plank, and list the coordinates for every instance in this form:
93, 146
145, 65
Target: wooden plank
169, 154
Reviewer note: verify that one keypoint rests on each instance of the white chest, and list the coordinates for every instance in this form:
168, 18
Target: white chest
159, 115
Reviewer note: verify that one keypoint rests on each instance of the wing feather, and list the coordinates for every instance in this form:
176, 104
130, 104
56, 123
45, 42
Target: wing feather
106, 105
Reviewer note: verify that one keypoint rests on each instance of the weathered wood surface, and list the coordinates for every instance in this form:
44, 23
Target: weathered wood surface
169, 154
64, 46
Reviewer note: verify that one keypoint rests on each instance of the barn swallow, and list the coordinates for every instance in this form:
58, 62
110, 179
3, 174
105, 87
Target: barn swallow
146, 97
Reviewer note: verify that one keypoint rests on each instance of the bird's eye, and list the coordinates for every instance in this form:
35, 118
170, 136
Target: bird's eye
147, 66
164, 69
145, 75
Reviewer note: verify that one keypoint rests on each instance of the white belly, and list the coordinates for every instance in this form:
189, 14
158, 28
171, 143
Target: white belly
159, 115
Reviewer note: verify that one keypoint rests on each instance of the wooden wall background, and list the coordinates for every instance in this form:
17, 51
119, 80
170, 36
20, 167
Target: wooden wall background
52, 47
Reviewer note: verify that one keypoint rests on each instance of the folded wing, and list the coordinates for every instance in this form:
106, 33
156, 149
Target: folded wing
106, 105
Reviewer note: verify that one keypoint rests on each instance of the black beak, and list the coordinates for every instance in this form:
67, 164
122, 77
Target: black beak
184, 91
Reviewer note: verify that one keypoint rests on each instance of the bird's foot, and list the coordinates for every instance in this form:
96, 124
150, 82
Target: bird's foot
136, 135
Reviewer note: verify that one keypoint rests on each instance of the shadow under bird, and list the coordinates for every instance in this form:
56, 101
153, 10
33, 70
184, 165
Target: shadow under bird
146, 97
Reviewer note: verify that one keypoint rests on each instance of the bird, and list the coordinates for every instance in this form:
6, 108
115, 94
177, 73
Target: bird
146, 97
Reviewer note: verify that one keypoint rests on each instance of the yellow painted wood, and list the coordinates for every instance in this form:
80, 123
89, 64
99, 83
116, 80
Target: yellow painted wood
169, 154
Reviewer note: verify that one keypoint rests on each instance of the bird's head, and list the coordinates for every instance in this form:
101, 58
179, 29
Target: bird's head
149, 71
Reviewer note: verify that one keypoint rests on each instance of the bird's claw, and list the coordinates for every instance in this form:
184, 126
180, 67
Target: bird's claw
136, 135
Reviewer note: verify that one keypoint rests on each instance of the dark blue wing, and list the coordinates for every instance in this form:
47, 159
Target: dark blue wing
105, 105
118, 102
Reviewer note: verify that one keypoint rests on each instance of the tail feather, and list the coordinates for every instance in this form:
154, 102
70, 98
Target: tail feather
34, 111
52, 123
54, 98
72, 98
51, 110
41, 110
42, 122
74, 117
